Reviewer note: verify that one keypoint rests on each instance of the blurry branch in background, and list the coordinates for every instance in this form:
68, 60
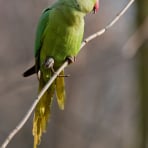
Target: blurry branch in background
136, 41
65, 64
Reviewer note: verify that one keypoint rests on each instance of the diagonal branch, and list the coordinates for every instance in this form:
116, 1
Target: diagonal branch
65, 64
28, 114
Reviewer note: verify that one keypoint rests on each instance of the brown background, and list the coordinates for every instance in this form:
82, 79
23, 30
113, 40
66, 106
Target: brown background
102, 103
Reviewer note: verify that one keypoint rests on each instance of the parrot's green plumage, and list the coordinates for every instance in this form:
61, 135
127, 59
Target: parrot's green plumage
59, 35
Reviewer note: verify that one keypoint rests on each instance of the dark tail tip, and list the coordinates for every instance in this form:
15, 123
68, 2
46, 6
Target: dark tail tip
29, 72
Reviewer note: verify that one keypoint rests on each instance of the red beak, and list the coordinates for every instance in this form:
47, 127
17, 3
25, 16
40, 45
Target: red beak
96, 7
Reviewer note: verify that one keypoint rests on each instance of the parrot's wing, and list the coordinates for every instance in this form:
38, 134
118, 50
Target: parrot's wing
40, 30
38, 42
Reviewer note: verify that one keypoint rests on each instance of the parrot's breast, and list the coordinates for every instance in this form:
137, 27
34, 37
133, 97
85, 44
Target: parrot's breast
62, 38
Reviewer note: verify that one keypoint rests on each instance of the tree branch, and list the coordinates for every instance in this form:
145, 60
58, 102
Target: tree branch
65, 64
134, 43
102, 31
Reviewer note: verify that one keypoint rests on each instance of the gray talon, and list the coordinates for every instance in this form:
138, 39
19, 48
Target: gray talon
49, 62
71, 59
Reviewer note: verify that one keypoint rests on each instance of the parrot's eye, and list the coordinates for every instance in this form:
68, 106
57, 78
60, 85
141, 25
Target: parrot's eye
76, 3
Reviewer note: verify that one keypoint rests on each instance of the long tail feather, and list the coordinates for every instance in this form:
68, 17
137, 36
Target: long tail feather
42, 112
60, 90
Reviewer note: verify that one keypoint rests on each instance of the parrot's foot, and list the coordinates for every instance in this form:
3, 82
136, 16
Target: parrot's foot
71, 59
49, 62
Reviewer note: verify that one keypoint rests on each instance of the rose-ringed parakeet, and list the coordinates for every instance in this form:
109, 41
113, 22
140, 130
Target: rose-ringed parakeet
58, 37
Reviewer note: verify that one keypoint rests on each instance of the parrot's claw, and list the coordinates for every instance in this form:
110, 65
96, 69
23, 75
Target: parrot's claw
71, 59
49, 62
39, 75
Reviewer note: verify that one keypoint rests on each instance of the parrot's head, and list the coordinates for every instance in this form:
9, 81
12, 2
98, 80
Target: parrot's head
87, 6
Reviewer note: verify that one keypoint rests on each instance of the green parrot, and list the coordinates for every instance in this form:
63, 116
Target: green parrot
58, 38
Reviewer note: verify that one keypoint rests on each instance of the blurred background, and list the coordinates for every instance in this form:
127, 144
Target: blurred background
107, 92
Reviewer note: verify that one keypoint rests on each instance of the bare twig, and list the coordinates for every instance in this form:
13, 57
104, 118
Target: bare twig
102, 31
65, 64
21, 124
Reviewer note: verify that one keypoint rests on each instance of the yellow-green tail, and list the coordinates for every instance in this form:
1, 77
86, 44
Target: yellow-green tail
42, 110
60, 90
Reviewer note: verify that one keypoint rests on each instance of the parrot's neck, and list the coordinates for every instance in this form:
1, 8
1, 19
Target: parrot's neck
70, 12
84, 6
72, 4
